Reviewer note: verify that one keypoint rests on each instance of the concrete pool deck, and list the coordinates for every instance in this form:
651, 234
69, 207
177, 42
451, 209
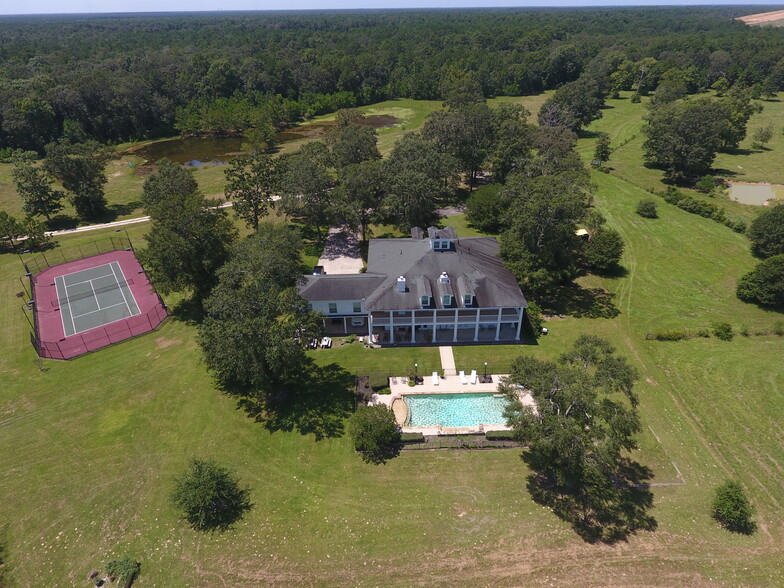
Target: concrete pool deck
447, 385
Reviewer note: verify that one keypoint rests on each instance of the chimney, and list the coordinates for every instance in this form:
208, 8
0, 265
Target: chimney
401, 284
443, 278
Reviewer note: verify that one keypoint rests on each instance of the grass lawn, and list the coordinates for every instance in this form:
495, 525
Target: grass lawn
90, 447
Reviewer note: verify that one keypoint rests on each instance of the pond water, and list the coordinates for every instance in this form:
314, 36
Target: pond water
757, 194
197, 150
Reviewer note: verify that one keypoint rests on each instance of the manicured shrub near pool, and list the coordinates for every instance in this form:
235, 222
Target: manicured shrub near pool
500, 436
412, 438
375, 433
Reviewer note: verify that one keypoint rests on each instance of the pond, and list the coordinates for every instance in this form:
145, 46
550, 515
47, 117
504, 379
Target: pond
757, 194
197, 150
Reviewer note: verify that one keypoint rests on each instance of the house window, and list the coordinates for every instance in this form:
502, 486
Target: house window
333, 307
468, 299
357, 307
425, 300
446, 300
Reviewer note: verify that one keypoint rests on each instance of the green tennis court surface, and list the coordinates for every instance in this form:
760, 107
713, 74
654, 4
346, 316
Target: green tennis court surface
94, 297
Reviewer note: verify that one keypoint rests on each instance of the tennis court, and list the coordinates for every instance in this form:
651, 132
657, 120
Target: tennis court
94, 297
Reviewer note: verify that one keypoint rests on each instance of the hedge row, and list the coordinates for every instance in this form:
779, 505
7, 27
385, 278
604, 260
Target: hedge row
701, 208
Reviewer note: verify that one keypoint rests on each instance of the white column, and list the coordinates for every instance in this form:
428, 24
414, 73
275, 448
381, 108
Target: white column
435, 324
454, 334
370, 327
498, 325
413, 326
391, 329
520, 322
476, 326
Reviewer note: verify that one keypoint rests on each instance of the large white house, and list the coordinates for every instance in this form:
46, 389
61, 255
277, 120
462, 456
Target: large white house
432, 288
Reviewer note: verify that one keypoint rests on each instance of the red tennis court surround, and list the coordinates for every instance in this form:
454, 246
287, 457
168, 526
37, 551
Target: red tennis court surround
68, 295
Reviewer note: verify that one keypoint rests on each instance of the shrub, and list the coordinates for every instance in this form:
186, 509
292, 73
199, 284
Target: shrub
723, 331
739, 226
732, 509
669, 335
778, 328
500, 435
647, 208
765, 283
704, 333
375, 432
744, 331
706, 184
534, 315
412, 438
603, 252
766, 232
123, 570
209, 497
350, 339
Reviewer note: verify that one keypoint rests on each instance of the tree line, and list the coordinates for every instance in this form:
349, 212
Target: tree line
116, 78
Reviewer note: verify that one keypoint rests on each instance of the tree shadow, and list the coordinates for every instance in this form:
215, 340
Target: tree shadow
607, 512
580, 302
114, 211
585, 134
617, 271
318, 402
188, 310
62, 222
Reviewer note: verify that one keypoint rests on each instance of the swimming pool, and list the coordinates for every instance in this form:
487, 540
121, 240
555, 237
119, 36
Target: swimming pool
455, 410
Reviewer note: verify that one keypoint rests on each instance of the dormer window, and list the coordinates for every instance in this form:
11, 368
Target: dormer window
441, 244
446, 300
443, 278
424, 300
468, 299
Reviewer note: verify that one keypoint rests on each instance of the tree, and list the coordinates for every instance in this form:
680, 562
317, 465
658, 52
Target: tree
574, 105
603, 252
484, 210
766, 232
578, 433
539, 246
35, 231
34, 186
732, 509
416, 174
514, 140
355, 144
188, 242
306, 185
375, 432
80, 168
257, 326
602, 151
683, 137
761, 136
646, 208
170, 180
738, 107
707, 184
251, 183
209, 496
10, 230
359, 195
765, 283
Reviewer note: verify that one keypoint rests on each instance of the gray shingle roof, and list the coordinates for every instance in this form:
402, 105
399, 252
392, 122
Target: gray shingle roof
474, 259
472, 266
333, 287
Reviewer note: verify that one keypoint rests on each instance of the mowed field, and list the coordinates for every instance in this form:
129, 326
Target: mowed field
90, 448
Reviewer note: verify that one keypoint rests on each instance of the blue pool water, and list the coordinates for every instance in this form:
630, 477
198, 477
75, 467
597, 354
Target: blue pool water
455, 410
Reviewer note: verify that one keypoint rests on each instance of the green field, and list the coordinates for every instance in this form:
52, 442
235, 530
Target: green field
90, 447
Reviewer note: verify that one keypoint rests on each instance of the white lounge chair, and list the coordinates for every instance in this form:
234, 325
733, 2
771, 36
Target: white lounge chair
435, 378
473, 376
463, 379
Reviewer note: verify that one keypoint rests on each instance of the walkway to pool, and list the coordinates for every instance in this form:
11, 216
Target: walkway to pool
447, 360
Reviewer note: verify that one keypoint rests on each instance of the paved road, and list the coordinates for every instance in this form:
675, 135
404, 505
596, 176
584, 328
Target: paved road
121, 223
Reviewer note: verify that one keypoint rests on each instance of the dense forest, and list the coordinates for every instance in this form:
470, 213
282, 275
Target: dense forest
118, 78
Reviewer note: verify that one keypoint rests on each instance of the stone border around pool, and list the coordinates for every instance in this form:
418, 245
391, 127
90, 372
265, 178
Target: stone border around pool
447, 385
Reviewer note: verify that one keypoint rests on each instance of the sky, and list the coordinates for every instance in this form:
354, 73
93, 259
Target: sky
103, 6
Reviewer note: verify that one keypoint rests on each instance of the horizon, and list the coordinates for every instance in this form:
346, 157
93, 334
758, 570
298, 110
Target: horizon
120, 7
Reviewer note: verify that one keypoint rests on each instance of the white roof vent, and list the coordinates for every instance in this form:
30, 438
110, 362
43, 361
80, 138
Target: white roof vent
401, 284
443, 278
